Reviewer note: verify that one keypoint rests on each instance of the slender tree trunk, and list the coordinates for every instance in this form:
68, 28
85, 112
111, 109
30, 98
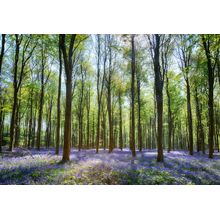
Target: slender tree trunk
88, 118
40, 114
139, 113
120, 123
1, 98
30, 120
110, 116
169, 115
217, 128
48, 142
17, 123
15, 96
100, 84
206, 44
58, 103
159, 98
34, 126
93, 130
189, 116
133, 97
98, 129
200, 130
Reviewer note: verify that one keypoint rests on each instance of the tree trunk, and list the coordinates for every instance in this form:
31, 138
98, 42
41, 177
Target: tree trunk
200, 130
88, 118
15, 96
67, 125
1, 98
132, 97
139, 112
159, 99
120, 123
206, 44
30, 120
58, 103
189, 116
40, 114
170, 123
68, 64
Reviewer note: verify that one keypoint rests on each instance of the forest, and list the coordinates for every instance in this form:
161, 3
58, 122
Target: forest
122, 109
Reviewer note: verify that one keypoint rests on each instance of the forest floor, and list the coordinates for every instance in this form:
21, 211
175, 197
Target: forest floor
87, 167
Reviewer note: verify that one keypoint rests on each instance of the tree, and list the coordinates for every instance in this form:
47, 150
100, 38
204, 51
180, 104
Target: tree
155, 43
212, 56
99, 87
165, 55
27, 51
58, 99
43, 81
185, 49
138, 77
67, 52
1, 101
132, 141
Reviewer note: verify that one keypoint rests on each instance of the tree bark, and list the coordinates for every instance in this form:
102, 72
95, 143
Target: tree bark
159, 98
200, 130
88, 117
132, 97
58, 101
140, 142
120, 122
41, 101
189, 116
1, 98
68, 65
15, 95
170, 122
210, 66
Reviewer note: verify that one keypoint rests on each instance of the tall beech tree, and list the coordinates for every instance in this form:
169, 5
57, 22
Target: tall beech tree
109, 89
185, 49
132, 133
165, 55
155, 44
67, 48
43, 81
99, 85
58, 98
1, 99
211, 48
138, 79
